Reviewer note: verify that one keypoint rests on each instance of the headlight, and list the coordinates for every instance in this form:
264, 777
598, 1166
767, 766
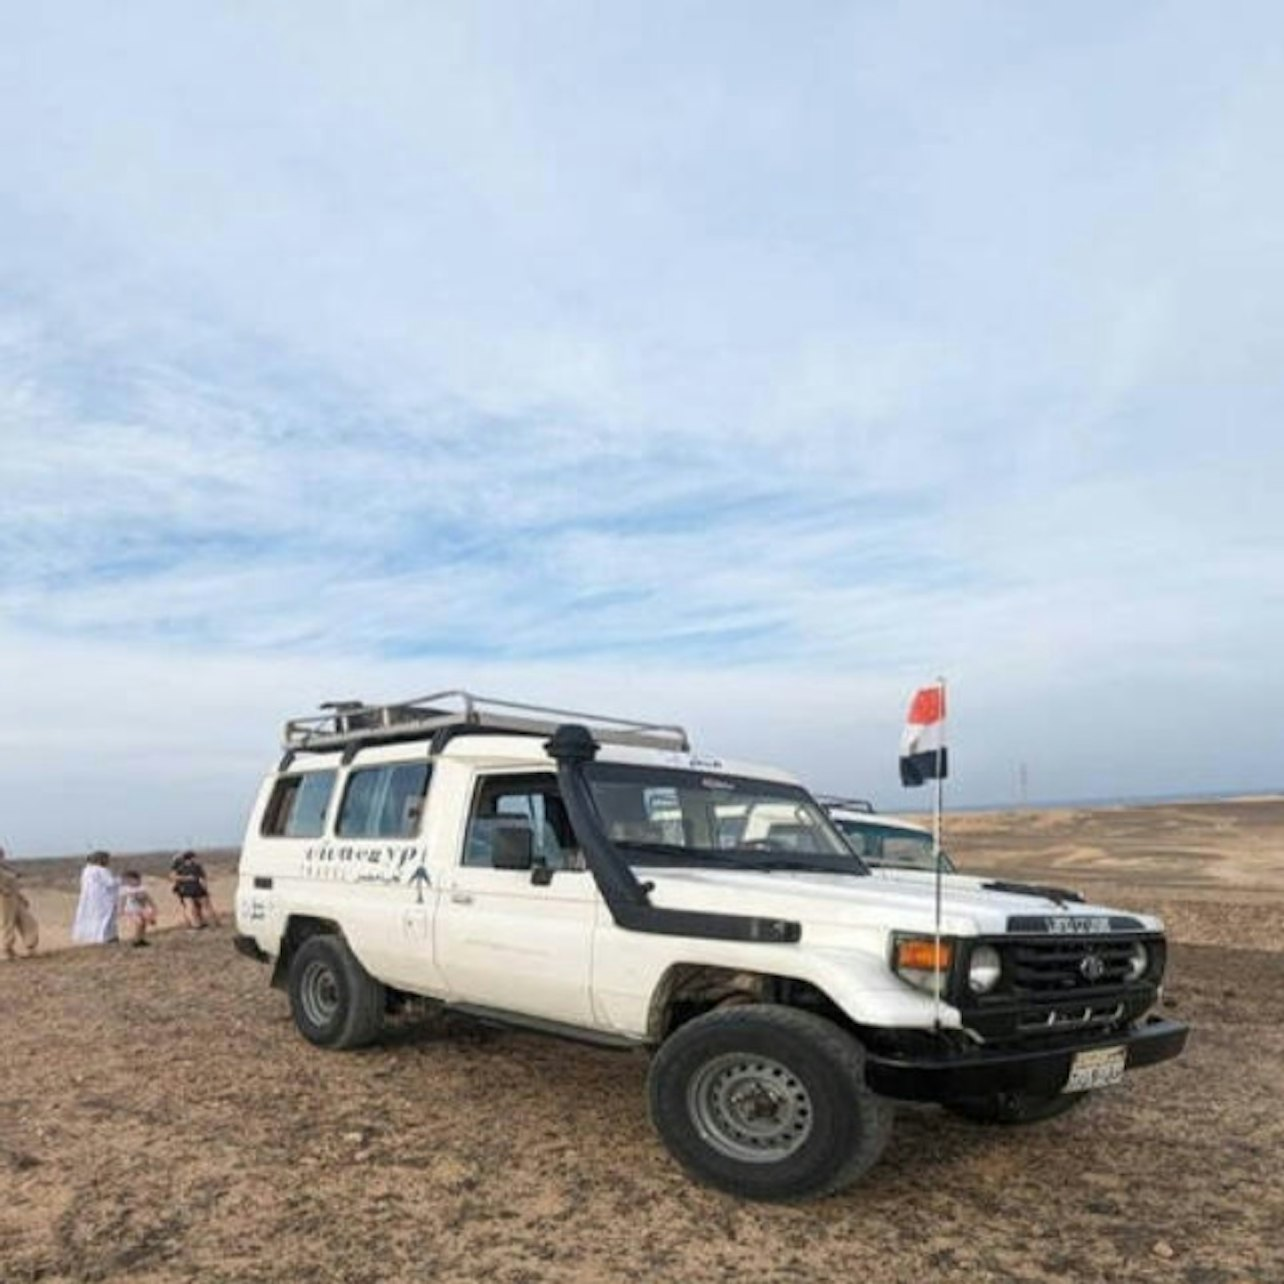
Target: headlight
1138, 961
920, 960
984, 969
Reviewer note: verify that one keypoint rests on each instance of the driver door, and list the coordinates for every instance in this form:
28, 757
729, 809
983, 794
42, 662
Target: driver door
519, 939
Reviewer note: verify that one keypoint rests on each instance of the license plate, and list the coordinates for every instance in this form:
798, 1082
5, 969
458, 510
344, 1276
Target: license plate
1096, 1068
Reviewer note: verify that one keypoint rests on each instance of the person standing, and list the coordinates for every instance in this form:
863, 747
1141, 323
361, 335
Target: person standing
187, 875
96, 914
17, 922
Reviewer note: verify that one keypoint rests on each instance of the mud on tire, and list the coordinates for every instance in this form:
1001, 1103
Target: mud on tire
767, 1102
335, 1002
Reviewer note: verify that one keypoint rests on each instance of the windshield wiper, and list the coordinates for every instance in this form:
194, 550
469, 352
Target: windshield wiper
811, 865
677, 853
764, 861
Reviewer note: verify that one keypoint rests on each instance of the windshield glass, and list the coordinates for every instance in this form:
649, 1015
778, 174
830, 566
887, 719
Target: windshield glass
886, 845
660, 816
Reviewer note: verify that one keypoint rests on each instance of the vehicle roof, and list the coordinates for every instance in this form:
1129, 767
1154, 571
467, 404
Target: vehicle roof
483, 750
877, 820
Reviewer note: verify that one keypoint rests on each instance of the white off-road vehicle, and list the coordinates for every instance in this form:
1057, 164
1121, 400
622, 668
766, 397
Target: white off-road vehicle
906, 853
887, 845
594, 878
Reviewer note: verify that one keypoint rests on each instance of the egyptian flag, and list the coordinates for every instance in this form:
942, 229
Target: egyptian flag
923, 754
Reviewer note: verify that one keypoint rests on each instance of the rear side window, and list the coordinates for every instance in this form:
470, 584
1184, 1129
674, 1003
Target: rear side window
384, 802
298, 805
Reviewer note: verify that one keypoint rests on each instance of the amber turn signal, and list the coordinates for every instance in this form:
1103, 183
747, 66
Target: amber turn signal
924, 955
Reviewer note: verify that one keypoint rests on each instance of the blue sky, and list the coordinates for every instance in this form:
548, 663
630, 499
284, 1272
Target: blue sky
743, 365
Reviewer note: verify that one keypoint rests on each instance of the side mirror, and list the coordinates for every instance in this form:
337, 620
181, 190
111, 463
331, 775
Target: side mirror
512, 847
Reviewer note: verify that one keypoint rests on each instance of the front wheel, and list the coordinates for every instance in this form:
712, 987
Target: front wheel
335, 1002
1015, 1107
767, 1102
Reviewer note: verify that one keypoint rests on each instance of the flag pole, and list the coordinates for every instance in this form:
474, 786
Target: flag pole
936, 850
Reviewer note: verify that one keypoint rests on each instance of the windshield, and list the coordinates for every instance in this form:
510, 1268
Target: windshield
887, 845
660, 816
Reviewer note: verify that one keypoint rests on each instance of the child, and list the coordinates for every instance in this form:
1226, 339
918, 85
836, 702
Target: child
137, 909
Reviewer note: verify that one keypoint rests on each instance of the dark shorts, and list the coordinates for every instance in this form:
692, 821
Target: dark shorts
189, 891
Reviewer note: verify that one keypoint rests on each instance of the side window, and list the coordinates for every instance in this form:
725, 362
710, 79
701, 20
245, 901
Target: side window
857, 836
908, 851
525, 802
298, 805
384, 802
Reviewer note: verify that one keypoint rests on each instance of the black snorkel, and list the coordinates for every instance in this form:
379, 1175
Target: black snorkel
572, 747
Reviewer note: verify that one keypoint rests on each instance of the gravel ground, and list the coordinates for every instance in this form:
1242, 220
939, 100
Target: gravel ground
161, 1121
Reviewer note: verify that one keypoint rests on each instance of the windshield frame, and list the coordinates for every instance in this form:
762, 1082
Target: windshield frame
844, 860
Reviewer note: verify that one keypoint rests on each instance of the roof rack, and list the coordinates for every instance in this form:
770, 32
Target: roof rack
350, 724
851, 804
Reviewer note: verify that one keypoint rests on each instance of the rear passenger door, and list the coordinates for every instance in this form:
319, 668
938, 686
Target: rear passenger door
519, 939
378, 858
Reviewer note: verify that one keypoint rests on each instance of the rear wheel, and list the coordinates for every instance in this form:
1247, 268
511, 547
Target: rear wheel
1015, 1107
335, 1002
767, 1102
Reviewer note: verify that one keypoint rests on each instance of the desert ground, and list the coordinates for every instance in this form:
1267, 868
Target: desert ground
161, 1121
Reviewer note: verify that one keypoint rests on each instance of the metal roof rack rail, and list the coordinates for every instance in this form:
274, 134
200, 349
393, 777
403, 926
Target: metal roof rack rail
350, 724
851, 804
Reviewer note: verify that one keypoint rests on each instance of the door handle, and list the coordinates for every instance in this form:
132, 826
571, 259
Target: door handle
462, 898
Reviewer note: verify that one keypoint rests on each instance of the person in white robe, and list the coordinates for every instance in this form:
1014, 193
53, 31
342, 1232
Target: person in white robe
95, 921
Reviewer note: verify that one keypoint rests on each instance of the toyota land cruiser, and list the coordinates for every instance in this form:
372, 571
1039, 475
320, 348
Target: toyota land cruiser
594, 878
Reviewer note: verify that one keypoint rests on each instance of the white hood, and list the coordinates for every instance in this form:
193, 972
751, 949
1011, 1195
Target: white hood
867, 901
975, 883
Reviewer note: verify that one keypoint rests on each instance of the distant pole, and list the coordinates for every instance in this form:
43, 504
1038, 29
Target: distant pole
1023, 785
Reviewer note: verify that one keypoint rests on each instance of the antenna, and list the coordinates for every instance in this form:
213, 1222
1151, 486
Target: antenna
936, 851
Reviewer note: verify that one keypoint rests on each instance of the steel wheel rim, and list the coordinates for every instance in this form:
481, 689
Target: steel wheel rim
750, 1108
319, 993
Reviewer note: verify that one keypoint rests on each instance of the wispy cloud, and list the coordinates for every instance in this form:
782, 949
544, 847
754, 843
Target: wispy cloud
736, 361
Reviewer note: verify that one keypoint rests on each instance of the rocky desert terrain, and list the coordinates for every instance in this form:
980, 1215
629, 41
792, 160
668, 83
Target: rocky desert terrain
161, 1121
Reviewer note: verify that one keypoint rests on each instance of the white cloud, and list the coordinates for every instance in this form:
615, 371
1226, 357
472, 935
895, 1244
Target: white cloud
754, 366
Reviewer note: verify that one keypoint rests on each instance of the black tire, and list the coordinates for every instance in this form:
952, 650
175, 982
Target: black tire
767, 1102
1013, 1108
335, 1002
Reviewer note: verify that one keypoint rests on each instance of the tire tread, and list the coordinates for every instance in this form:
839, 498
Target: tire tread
363, 1014
835, 1045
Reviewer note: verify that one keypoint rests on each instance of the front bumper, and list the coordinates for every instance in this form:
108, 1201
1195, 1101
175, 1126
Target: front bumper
950, 1076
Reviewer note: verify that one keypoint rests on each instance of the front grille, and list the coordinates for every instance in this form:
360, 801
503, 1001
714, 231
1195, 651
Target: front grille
1049, 968
1055, 988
